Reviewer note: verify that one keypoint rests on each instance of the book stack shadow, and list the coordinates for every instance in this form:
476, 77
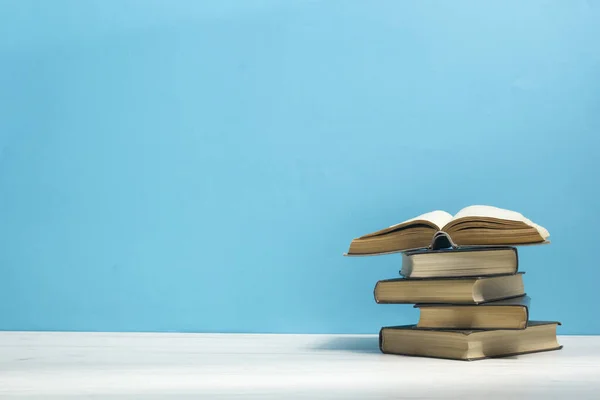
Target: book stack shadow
471, 299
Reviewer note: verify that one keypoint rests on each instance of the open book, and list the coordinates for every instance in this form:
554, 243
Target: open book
472, 226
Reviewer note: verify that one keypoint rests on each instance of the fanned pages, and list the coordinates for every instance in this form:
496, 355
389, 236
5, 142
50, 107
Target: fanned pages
449, 290
503, 314
462, 262
476, 225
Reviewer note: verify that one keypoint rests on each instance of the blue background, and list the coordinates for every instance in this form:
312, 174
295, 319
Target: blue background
202, 166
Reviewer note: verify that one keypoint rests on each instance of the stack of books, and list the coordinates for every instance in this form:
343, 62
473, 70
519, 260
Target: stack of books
462, 273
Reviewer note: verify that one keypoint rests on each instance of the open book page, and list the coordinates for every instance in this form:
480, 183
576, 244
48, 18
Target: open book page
499, 213
437, 218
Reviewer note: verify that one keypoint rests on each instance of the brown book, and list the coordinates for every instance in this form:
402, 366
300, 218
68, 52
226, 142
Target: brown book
449, 290
503, 314
471, 226
473, 261
469, 345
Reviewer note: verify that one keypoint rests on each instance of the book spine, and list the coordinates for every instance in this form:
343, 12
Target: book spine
516, 259
442, 240
407, 265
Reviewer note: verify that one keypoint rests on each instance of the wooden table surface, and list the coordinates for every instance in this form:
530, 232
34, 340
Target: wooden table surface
57, 365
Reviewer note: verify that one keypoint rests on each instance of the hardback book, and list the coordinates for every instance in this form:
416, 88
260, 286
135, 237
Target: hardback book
474, 261
469, 344
476, 225
502, 314
474, 290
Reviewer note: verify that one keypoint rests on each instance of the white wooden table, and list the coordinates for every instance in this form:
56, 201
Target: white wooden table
193, 366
